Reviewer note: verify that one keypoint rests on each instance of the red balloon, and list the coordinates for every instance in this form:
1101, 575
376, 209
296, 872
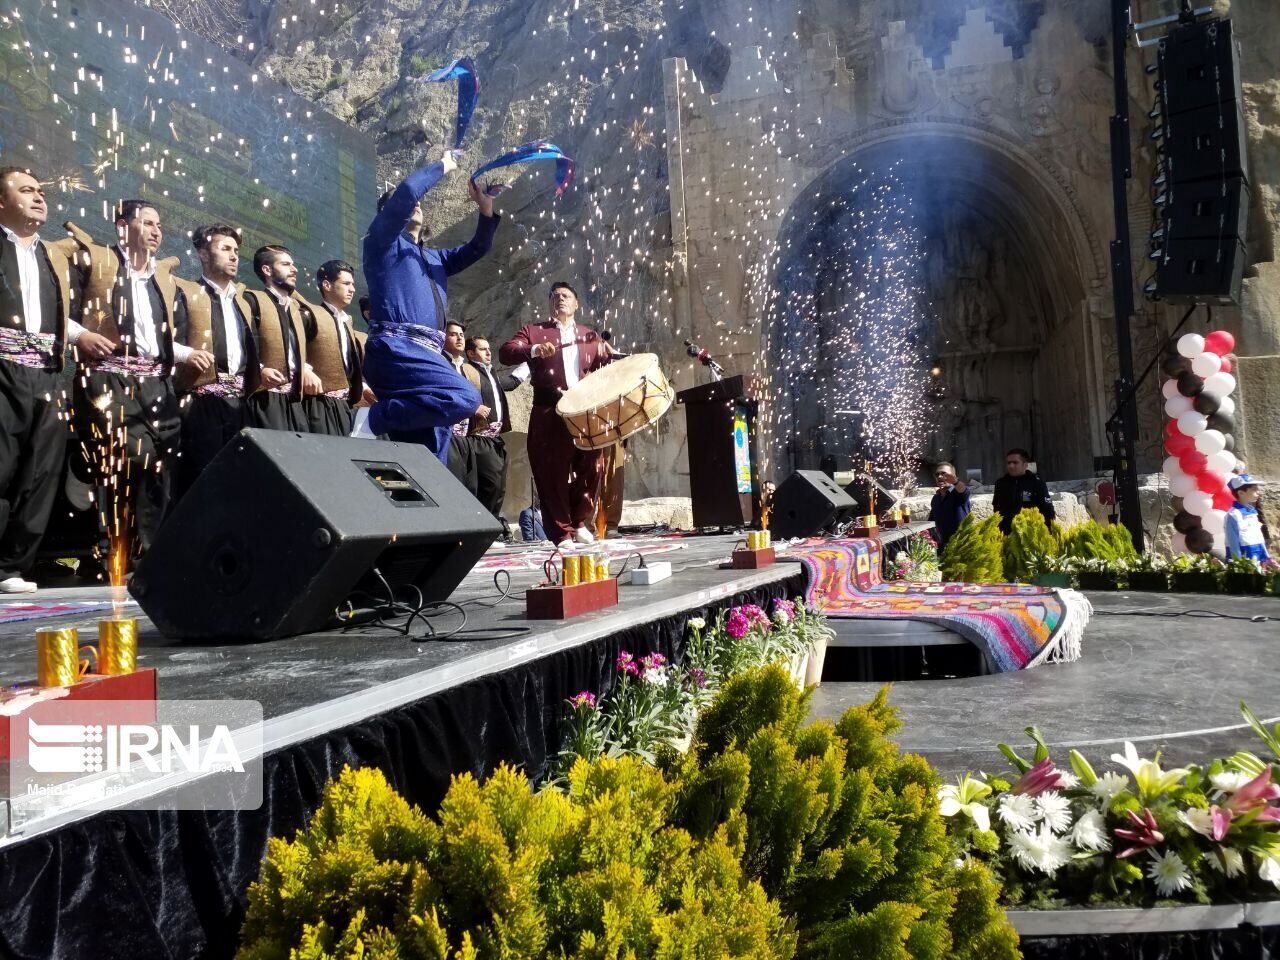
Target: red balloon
1179, 445
1171, 429
1211, 482
1219, 342
1224, 500
1226, 365
1193, 463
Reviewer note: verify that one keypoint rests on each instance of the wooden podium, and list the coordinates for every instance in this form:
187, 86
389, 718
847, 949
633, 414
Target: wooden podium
720, 418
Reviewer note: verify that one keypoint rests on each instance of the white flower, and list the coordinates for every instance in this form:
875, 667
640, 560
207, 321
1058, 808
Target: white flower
1090, 832
1018, 811
1226, 860
1108, 785
1055, 810
1040, 849
1169, 873
1067, 780
1269, 870
657, 676
1201, 821
967, 796
697, 623
1229, 781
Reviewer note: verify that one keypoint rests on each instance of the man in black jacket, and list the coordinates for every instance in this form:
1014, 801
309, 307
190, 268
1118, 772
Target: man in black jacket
1019, 490
487, 427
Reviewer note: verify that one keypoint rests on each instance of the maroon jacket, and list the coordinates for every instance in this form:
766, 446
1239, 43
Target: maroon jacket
548, 372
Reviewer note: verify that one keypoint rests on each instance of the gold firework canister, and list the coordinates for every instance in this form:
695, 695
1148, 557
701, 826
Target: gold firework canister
572, 571
58, 662
117, 646
588, 570
602, 569
766, 539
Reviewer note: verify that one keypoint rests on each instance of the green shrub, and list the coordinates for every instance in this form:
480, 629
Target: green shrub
1029, 540
1090, 541
595, 871
420, 66
974, 553
840, 828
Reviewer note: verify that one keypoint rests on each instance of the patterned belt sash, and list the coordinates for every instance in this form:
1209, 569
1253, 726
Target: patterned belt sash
27, 349
130, 366
227, 385
427, 337
337, 394
493, 430
460, 428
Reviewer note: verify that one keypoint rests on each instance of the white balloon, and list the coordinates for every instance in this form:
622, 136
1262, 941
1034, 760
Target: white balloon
1215, 521
1171, 468
1179, 543
1176, 406
1191, 345
1192, 424
1181, 485
1198, 504
1227, 406
1206, 365
1219, 384
1211, 441
1170, 389
1223, 462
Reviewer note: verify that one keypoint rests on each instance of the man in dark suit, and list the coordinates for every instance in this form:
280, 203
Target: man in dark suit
491, 421
560, 352
36, 299
215, 318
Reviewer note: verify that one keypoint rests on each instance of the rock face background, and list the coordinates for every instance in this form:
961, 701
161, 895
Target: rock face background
752, 104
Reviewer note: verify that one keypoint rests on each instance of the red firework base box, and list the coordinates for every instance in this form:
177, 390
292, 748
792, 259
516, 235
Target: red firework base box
753, 559
866, 533
889, 524
137, 690
556, 602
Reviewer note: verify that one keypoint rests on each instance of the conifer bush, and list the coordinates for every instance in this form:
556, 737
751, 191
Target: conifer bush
597, 870
975, 552
839, 827
1029, 540
1092, 541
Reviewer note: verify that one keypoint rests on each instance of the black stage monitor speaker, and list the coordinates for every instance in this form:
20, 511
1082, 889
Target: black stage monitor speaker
282, 528
808, 502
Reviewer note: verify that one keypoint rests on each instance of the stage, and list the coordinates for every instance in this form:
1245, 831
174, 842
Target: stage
424, 710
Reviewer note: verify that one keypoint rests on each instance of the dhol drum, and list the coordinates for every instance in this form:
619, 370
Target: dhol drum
612, 403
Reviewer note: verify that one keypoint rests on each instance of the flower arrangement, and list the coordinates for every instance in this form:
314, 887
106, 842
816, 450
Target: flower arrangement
918, 562
1245, 575
1201, 573
655, 704
1138, 834
1149, 572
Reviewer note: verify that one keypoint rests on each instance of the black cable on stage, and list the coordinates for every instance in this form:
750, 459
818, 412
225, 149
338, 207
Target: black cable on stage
1195, 614
398, 616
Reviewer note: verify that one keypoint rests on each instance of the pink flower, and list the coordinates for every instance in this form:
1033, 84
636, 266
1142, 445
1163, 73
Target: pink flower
755, 615
1147, 833
1043, 776
698, 676
627, 664
1253, 797
584, 699
1220, 820
737, 625
784, 611
652, 661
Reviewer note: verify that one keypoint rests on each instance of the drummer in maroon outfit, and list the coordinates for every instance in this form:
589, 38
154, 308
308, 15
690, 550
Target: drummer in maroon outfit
560, 352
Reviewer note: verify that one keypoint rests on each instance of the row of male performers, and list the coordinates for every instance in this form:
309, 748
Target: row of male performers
164, 366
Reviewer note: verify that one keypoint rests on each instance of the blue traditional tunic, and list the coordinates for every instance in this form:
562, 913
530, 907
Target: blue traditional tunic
420, 395
1244, 533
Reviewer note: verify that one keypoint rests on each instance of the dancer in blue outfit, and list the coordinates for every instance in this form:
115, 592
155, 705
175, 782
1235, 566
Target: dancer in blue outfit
420, 395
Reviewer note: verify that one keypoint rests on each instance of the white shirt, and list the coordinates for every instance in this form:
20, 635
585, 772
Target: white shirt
232, 329
146, 332
569, 352
495, 416
291, 347
343, 318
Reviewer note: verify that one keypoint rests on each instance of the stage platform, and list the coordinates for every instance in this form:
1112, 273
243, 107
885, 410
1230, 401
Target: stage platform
1166, 671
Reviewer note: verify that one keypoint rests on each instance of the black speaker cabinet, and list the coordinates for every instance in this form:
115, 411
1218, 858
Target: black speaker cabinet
1200, 65
1208, 143
1201, 270
282, 528
1207, 208
808, 502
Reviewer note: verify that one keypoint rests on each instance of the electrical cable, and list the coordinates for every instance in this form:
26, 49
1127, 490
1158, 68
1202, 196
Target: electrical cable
398, 616
1195, 614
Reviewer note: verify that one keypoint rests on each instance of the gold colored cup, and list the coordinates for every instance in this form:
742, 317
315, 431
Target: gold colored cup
602, 569
58, 662
117, 646
572, 571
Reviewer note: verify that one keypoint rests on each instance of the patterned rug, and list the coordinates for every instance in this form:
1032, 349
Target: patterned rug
1015, 626
16, 612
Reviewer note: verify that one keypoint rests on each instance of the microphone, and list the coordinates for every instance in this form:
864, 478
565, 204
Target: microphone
699, 353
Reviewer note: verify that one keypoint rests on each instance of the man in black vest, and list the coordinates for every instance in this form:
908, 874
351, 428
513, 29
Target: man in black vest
214, 320
334, 350
488, 448
35, 303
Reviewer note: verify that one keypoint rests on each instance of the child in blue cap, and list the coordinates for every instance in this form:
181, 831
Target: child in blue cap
1244, 524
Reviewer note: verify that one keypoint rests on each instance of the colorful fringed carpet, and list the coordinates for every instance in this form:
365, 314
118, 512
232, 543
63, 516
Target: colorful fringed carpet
17, 611
1016, 626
